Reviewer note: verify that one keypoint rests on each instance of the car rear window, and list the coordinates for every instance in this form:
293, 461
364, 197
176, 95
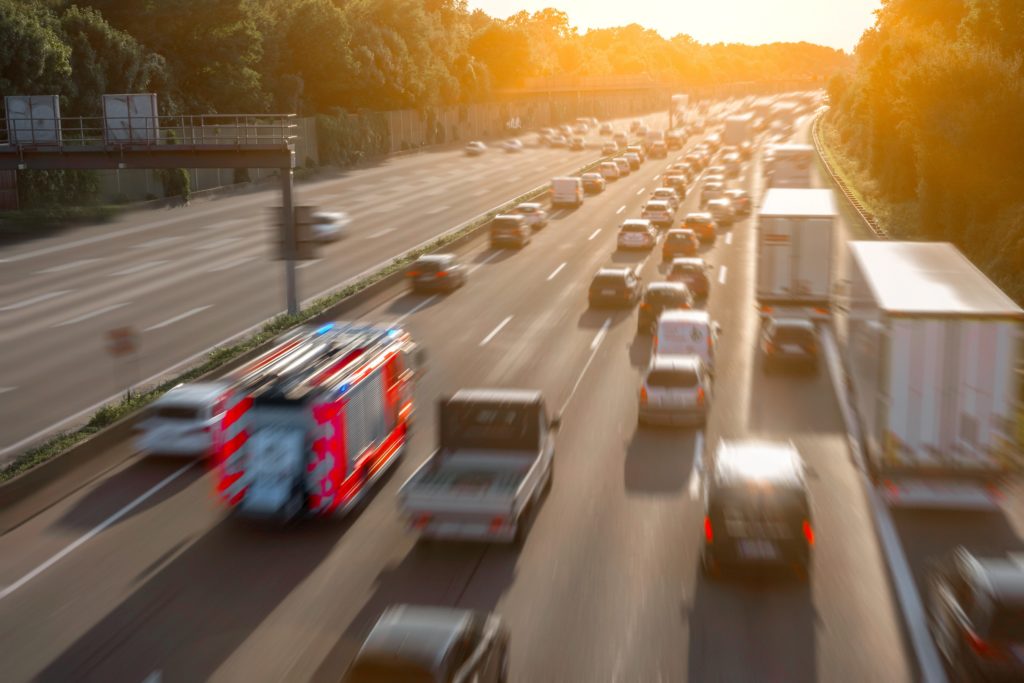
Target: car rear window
665, 295
678, 238
673, 379
1008, 624
634, 227
609, 281
426, 266
793, 335
695, 221
685, 270
487, 425
505, 224
177, 412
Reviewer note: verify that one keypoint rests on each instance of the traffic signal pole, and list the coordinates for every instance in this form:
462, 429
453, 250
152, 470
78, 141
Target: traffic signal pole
289, 241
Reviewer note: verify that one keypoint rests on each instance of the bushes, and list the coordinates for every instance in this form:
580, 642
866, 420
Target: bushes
346, 139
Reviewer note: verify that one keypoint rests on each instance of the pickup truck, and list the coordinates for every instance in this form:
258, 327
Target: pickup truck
494, 463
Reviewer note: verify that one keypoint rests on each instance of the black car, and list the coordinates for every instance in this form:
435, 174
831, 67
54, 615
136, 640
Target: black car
976, 615
436, 272
660, 296
433, 645
614, 287
791, 342
692, 272
757, 512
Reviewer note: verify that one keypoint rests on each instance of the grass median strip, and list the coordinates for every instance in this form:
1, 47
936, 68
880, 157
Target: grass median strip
220, 356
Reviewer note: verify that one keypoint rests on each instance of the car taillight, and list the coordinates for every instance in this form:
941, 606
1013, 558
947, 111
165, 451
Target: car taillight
994, 492
441, 273
700, 397
496, 524
769, 347
644, 307
413, 273
421, 521
709, 533
808, 532
983, 648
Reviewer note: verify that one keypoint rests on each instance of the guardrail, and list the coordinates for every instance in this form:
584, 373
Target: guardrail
866, 216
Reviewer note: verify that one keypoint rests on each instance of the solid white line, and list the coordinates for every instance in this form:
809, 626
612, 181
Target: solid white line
443, 207
301, 266
599, 337
232, 263
177, 318
621, 209
4, 390
495, 331
379, 233
656, 177
593, 354
426, 302
95, 531
155, 677
67, 266
34, 300
728, 238
721, 275
556, 271
138, 268
594, 234
92, 314
641, 191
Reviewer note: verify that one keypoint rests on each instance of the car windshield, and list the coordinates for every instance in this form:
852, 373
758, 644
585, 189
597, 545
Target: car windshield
785, 334
490, 425
607, 280
676, 378
176, 412
679, 237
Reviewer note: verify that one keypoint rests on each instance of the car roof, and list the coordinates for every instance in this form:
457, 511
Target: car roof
661, 286
657, 203
666, 361
590, 176
528, 205
635, 221
510, 216
687, 261
1001, 578
748, 460
614, 270
718, 202
698, 216
497, 396
664, 190
794, 323
423, 635
685, 316
435, 258
737, 191
198, 393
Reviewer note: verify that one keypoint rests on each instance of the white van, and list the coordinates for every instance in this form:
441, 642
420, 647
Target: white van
566, 192
183, 421
684, 333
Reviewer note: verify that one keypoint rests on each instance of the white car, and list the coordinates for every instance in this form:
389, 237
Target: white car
606, 128
512, 146
609, 170
535, 215
659, 212
184, 421
675, 390
475, 148
637, 233
329, 226
667, 194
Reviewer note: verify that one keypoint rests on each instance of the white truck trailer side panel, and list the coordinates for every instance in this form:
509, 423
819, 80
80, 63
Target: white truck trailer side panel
796, 231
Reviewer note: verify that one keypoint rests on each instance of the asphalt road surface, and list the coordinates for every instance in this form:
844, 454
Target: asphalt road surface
607, 585
188, 279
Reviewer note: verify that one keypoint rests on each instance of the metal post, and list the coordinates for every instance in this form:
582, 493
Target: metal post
288, 225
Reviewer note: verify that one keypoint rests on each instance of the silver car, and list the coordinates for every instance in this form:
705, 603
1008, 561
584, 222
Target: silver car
675, 390
182, 422
329, 226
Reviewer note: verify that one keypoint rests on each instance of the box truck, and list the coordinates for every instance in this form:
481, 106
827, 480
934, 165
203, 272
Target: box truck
933, 350
739, 129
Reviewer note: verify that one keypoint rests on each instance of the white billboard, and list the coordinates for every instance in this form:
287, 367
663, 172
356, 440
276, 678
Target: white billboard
130, 118
33, 119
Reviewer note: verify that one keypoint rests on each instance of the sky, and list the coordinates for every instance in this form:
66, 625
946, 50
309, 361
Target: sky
836, 23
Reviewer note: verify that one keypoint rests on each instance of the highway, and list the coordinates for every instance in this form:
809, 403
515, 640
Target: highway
607, 585
191, 278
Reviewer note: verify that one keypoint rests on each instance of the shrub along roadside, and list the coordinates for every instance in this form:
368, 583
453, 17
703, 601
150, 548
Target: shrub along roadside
220, 356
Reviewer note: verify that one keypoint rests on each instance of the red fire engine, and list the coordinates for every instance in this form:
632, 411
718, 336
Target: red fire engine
310, 425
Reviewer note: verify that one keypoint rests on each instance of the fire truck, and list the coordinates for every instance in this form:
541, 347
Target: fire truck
310, 425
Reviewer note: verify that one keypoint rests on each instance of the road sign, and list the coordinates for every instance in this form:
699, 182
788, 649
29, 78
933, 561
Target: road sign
122, 341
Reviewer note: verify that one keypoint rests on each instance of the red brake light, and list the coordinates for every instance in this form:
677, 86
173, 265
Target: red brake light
413, 273
643, 394
442, 273
808, 532
700, 396
982, 648
709, 533
496, 524
769, 347
421, 521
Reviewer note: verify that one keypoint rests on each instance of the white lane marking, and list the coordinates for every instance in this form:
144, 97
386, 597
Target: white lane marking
698, 465
178, 318
225, 265
34, 300
67, 266
307, 264
594, 234
444, 207
482, 263
728, 238
721, 274
426, 302
216, 244
96, 530
138, 268
899, 569
380, 233
155, 677
4, 390
656, 177
599, 337
641, 191
495, 331
621, 209
92, 314
594, 347
556, 271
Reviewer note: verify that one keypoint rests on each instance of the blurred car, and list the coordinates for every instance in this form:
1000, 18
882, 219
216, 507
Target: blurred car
658, 297
643, 129
605, 129
693, 272
637, 150
581, 129
609, 148
667, 194
185, 421
674, 139
975, 609
659, 212
717, 169
633, 159
683, 168
770, 529
740, 201
677, 183
714, 179
510, 230
609, 170
703, 225
789, 342
436, 272
566, 130
624, 166
433, 645
576, 144
558, 140
593, 183
721, 210
475, 148
675, 390
695, 160
329, 226
711, 191
621, 139
512, 146
659, 150
679, 242
535, 215
637, 233
733, 164
614, 287
635, 125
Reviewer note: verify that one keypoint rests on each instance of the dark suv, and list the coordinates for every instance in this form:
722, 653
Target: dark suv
660, 296
614, 287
